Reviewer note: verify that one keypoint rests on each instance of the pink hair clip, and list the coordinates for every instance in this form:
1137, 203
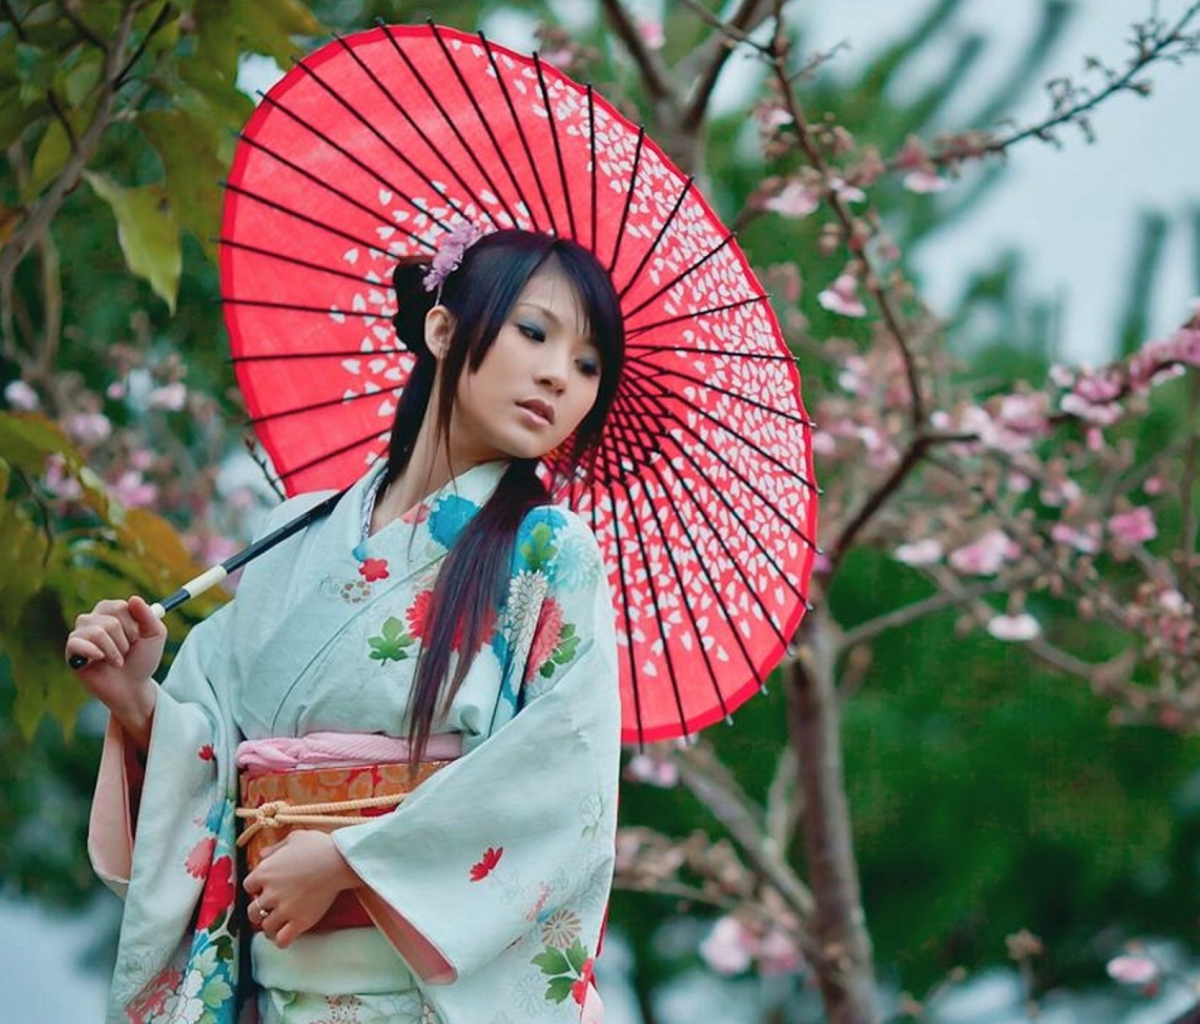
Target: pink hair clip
449, 255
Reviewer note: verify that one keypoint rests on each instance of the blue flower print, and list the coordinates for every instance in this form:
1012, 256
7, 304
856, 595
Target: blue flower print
537, 545
448, 518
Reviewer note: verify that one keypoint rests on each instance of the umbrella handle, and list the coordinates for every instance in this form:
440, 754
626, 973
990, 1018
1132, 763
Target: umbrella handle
192, 588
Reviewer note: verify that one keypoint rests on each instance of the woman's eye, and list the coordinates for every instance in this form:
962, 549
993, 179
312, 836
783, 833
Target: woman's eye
533, 332
589, 367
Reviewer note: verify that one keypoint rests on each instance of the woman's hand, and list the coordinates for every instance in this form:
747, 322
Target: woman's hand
123, 643
296, 882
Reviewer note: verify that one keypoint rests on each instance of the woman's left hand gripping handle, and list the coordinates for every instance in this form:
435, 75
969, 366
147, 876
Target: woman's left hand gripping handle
114, 650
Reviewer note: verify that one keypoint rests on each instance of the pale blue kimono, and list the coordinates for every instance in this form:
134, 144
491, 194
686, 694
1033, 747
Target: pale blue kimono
502, 860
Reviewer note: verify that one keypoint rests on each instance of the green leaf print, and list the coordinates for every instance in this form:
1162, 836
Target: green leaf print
558, 989
568, 644
392, 642
540, 548
576, 956
552, 961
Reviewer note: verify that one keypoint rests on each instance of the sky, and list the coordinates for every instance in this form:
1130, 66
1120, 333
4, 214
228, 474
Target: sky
1073, 213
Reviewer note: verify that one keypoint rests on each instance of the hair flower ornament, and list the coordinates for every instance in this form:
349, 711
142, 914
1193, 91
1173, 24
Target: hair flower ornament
449, 255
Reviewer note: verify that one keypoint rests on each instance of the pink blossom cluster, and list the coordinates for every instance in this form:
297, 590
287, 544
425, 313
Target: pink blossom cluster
732, 947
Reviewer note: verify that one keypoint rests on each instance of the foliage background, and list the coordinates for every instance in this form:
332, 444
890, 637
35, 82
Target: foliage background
988, 795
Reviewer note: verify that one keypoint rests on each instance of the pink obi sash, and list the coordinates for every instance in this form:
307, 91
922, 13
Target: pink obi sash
326, 781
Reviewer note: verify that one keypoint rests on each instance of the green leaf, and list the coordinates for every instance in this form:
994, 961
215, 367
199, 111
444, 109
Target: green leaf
53, 152
23, 551
79, 81
147, 231
576, 956
45, 686
539, 549
552, 961
188, 151
558, 989
16, 116
29, 438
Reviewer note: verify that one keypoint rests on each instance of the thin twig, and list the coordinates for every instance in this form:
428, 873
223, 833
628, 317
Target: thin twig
159, 21
650, 65
713, 56
79, 26
47, 207
867, 631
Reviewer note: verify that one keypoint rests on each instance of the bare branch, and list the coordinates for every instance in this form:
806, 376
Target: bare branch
713, 55
46, 207
711, 783
867, 631
650, 66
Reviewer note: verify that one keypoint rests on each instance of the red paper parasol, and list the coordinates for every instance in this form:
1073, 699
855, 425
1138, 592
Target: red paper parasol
702, 497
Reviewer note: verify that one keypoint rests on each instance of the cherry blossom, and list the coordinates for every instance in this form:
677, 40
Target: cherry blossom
655, 771
728, 947
1132, 969
1133, 527
795, 200
920, 552
925, 182
982, 557
19, 395
1014, 627
650, 31
171, 397
842, 297
89, 428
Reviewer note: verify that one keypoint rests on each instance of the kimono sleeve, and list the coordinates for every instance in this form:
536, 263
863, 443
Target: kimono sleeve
520, 831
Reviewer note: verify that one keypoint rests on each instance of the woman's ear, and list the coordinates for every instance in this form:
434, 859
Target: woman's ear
439, 327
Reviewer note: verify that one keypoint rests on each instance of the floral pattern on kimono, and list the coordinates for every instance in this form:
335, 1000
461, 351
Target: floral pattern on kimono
324, 636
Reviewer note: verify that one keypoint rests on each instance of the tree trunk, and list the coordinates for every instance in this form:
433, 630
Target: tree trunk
845, 971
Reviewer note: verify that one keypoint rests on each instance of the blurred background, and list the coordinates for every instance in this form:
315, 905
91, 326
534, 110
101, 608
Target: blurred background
988, 795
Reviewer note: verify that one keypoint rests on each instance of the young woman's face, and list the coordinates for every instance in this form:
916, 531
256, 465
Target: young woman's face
537, 382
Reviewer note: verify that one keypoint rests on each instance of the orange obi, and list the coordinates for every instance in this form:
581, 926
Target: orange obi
275, 802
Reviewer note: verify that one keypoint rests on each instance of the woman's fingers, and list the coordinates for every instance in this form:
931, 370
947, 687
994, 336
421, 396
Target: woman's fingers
105, 633
145, 622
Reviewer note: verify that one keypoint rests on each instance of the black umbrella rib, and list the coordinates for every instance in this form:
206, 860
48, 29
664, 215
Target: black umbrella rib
666, 371
591, 103
296, 307
412, 124
322, 183
731, 353
662, 632
306, 219
733, 561
366, 439
687, 187
680, 318
732, 558
314, 406
320, 354
558, 157
297, 262
365, 168
683, 273
449, 120
712, 671
631, 189
790, 471
525, 146
623, 590
665, 413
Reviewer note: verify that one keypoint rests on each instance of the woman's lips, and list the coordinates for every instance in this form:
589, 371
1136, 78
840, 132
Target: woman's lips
543, 410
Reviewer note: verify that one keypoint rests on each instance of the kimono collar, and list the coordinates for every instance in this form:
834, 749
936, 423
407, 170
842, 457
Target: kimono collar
446, 511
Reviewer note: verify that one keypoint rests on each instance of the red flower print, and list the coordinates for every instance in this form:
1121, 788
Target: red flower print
580, 987
200, 858
486, 863
218, 893
418, 613
372, 569
206, 752
545, 639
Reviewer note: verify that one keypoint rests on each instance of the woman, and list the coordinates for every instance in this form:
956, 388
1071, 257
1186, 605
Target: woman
443, 601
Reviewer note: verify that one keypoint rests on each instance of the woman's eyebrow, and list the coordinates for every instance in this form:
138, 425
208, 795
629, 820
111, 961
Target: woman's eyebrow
545, 311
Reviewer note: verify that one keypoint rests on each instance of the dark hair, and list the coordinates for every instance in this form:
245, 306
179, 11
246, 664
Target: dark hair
480, 294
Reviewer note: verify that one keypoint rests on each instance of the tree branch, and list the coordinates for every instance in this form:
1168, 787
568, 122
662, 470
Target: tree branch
711, 783
47, 207
650, 66
867, 631
713, 55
